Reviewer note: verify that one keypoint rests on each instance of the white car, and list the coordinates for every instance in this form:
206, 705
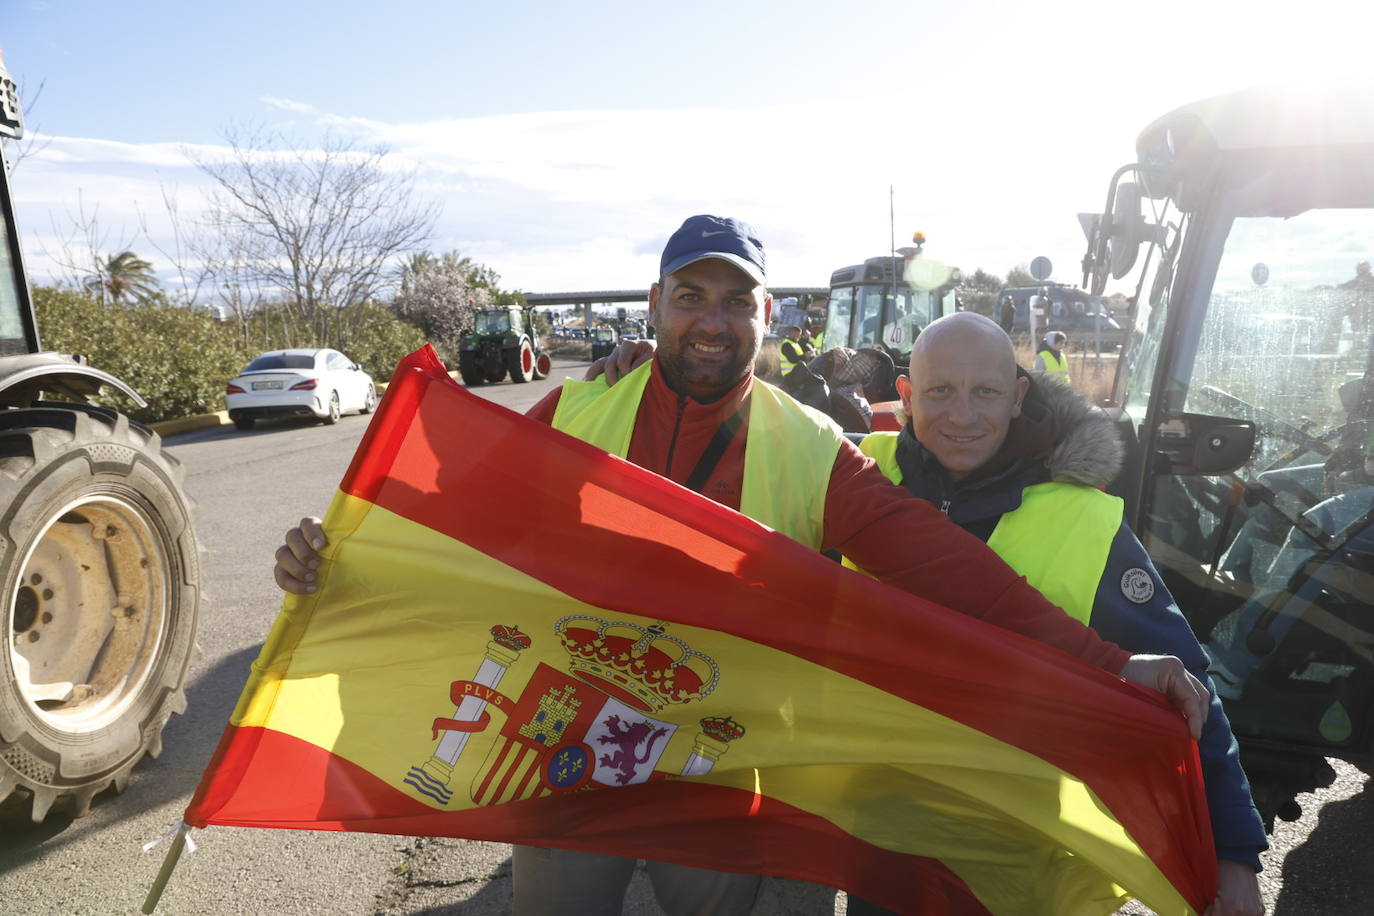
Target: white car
299, 383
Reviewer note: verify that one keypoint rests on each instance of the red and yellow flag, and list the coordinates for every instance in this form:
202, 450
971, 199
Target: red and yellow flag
520, 638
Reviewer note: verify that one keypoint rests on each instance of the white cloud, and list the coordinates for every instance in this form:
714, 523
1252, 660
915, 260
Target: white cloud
289, 105
585, 199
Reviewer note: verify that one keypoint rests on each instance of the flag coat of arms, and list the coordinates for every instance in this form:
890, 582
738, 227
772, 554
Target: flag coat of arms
520, 638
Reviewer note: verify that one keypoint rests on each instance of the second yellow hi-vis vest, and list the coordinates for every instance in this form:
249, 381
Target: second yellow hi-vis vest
789, 450
788, 363
1055, 368
1058, 538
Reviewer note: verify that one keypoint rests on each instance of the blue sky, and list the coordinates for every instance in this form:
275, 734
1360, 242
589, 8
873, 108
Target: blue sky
564, 142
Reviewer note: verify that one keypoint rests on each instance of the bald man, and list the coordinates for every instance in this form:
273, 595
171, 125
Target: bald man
1019, 461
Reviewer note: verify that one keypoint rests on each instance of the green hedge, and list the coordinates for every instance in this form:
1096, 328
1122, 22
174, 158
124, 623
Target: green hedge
179, 359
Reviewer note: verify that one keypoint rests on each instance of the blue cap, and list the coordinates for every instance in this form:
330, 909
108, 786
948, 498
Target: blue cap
714, 237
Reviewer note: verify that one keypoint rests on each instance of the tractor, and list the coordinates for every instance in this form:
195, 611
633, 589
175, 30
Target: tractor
99, 563
503, 340
884, 302
1245, 396
604, 340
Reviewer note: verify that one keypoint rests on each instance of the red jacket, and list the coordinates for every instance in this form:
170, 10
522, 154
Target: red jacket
901, 540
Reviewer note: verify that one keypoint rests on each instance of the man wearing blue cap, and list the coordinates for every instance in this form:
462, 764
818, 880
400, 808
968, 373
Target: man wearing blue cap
696, 415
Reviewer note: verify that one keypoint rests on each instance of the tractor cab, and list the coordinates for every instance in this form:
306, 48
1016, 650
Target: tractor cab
604, 339
884, 302
496, 321
1245, 392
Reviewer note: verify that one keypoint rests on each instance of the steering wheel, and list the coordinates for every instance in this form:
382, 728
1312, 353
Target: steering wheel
1214, 496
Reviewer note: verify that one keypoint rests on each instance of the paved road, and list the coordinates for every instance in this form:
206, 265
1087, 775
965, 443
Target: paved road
253, 486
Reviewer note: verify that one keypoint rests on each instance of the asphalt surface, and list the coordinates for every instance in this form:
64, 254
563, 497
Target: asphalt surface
251, 487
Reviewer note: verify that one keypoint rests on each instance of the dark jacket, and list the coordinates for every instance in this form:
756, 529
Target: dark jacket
1060, 437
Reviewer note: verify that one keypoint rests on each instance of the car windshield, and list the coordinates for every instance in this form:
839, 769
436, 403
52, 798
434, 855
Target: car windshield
269, 361
493, 322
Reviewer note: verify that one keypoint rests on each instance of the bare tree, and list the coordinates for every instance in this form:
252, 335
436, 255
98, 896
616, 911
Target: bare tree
321, 228
16, 150
190, 277
77, 255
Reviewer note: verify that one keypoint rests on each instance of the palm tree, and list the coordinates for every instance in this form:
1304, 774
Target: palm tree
122, 275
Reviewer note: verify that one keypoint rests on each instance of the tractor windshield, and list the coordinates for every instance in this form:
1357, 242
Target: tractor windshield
1279, 335
493, 322
1288, 325
878, 315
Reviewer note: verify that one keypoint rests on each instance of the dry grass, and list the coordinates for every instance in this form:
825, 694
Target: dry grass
1090, 375
569, 349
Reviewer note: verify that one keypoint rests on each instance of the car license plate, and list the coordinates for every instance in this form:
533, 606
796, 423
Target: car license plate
263, 386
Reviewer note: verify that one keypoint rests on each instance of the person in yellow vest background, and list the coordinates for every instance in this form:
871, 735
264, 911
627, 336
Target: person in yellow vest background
1020, 463
1050, 358
816, 335
791, 351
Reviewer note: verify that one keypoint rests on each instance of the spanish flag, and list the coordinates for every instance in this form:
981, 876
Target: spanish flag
520, 638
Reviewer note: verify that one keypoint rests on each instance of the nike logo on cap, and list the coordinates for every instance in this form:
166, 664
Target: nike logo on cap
707, 235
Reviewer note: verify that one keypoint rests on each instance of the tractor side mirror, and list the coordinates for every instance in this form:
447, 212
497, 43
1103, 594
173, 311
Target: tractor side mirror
1201, 445
1127, 231
1115, 236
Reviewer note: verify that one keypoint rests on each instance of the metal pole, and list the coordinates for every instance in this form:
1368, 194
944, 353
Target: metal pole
889, 305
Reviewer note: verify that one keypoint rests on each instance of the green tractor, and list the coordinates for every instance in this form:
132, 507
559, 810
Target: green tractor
502, 340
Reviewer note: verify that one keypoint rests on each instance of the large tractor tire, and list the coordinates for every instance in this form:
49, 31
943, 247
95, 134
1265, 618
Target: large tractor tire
520, 362
469, 369
542, 365
101, 579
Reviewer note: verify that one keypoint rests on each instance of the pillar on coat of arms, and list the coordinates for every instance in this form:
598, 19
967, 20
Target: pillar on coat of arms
710, 744
431, 778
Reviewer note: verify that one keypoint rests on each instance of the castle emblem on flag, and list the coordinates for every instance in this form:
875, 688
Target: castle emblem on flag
596, 723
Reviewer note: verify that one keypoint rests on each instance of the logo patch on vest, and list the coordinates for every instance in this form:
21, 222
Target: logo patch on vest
1137, 585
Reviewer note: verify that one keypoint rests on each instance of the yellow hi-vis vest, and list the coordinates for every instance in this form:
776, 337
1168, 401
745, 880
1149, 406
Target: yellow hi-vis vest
785, 363
789, 450
1055, 368
817, 342
1058, 538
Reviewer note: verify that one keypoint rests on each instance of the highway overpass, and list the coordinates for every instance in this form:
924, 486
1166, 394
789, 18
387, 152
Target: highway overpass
608, 296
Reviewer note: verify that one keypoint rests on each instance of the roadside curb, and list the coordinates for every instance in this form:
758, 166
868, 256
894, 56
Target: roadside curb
221, 417
186, 424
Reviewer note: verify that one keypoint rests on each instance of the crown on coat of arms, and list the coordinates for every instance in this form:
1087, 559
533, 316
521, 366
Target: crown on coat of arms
510, 637
641, 666
722, 729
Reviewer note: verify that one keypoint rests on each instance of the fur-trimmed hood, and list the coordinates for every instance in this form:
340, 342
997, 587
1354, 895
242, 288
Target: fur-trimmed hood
1087, 448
